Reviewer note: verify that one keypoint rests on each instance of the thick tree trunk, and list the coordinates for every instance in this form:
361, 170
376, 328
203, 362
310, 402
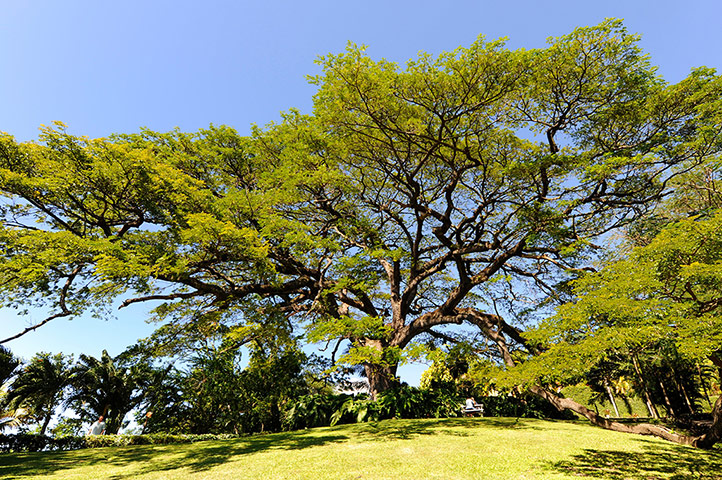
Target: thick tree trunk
380, 378
714, 434
708, 440
381, 374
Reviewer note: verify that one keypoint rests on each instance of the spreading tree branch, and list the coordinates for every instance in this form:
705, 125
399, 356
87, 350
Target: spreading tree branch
64, 311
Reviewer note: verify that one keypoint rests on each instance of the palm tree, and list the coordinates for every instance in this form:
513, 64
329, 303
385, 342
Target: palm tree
9, 417
8, 364
41, 386
106, 386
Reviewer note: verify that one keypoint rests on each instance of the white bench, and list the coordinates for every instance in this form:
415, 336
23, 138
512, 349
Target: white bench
471, 412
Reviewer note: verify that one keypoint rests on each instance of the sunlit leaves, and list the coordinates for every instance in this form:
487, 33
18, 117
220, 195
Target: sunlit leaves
666, 290
409, 193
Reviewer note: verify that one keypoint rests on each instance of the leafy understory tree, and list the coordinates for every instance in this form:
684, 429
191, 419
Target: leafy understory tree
8, 365
9, 417
666, 291
41, 387
107, 386
211, 391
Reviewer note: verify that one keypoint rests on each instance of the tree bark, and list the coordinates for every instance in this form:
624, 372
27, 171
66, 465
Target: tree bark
704, 384
666, 399
682, 390
380, 378
714, 434
706, 441
648, 400
611, 398
46, 422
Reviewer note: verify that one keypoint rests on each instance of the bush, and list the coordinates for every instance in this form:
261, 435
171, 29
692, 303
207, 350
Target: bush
25, 442
399, 402
412, 402
357, 409
527, 406
313, 410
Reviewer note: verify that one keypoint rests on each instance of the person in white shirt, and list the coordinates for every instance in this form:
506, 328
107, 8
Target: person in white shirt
98, 428
471, 408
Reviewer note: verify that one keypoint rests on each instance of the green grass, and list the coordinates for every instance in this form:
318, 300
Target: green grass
475, 448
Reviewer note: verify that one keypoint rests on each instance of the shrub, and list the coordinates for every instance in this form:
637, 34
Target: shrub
357, 409
399, 402
25, 442
312, 410
527, 405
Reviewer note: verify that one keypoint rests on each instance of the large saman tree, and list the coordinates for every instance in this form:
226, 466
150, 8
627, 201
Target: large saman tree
411, 198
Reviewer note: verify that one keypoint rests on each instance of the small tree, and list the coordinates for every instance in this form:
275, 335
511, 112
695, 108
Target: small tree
8, 365
665, 291
107, 386
211, 392
41, 386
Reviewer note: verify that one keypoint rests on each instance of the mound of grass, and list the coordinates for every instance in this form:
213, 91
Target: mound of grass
468, 448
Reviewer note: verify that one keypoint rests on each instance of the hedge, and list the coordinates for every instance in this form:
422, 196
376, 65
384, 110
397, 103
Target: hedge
28, 442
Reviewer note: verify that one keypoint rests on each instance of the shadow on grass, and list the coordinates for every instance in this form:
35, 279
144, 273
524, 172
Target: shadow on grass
459, 427
655, 462
139, 460
43, 464
210, 454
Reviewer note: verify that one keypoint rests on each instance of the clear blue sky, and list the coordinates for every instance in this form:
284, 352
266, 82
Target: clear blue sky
105, 67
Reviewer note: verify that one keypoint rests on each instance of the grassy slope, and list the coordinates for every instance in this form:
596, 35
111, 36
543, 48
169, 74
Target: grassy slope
486, 448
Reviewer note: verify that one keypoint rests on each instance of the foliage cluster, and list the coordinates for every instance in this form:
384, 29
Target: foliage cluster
215, 395
413, 198
408, 403
400, 402
526, 406
29, 442
629, 404
209, 393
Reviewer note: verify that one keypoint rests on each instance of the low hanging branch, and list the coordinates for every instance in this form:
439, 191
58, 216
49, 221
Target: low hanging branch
707, 441
173, 296
495, 328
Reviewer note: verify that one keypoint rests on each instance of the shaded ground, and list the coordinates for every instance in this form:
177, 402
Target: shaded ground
196, 457
654, 462
448, 449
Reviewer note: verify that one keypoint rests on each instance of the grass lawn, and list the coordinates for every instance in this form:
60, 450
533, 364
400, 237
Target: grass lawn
473, 448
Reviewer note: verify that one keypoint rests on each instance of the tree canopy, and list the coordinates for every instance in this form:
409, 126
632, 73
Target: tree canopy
461, 189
